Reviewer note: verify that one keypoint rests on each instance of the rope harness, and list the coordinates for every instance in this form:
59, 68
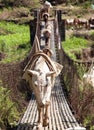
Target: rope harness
35, 57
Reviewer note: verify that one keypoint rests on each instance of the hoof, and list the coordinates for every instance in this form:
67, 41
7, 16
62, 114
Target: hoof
39, 126
45, 122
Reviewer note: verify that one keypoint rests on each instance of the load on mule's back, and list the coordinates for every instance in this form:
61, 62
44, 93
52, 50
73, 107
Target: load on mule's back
41, 77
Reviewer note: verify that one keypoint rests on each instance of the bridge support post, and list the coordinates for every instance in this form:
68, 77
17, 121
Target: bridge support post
35, 13
62, 34
59, 15
33, 24
61, 24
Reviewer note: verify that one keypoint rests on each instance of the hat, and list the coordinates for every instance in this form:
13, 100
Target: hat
46, 49
48, 4
46, 30
46, 14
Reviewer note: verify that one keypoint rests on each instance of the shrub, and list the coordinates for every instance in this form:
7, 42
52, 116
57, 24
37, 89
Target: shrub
8, 109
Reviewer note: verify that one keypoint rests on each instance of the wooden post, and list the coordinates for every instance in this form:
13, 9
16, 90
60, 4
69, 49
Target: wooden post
63, 30
33, 24
35, 13
61, 24
59, 15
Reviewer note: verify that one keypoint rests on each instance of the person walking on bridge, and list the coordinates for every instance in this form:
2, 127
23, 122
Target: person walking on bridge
45, 9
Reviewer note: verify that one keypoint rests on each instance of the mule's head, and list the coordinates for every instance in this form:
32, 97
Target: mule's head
41, 79
42, 82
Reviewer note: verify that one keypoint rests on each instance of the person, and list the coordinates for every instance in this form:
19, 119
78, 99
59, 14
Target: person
47, 34
48, 6
45, 9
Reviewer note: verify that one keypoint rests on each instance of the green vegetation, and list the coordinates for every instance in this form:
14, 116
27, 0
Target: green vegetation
86, 4
36, 4
15, 42
88, 120
8, 109
74, 44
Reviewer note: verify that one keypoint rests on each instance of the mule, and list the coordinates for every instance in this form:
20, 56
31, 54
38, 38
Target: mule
41, 77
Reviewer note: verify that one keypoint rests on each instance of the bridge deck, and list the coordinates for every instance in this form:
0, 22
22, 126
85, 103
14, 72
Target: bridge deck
61, 116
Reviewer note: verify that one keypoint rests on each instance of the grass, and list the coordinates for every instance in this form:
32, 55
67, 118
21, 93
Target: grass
74, 44
9, 43
87, 4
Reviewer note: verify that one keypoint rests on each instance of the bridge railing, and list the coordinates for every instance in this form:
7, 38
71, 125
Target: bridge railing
71, 68
72, 75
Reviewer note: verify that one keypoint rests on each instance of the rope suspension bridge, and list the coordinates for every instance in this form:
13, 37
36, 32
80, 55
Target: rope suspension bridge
61, 115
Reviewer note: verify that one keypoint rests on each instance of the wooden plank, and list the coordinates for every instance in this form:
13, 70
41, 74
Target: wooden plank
28, 112
55, 114
52, 117
32, 113
58, 112
50, 123
62, 114
25, 114
70, 117
62, 103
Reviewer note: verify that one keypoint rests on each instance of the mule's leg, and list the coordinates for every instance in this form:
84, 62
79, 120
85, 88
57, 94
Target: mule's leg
46, 115
40, 118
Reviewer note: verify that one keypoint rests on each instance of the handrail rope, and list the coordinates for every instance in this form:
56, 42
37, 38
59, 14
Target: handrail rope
37, 26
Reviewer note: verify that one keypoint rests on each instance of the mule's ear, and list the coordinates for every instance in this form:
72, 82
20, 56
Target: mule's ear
50, 73
32, 72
